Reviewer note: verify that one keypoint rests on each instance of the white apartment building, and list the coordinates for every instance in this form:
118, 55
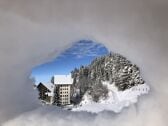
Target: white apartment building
64, 94
63, 88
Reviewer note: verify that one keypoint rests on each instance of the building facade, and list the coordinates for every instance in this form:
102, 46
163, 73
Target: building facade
62, 91
45, 92
63, 94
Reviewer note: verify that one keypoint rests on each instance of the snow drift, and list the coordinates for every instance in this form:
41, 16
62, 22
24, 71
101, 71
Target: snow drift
35, 31
115, 101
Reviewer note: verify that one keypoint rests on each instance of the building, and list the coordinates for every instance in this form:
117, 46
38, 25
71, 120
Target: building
46, 92
62, 91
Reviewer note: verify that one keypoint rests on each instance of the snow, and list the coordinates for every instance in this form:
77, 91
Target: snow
50, 86
63, 79
116, 100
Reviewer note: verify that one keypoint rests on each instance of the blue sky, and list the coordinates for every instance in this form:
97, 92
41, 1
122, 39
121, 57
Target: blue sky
81, 53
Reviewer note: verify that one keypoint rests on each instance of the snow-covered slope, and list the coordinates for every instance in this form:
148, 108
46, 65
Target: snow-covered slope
115, 101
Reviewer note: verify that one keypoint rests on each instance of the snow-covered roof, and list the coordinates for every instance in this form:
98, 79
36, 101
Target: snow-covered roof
62, 79
50, 86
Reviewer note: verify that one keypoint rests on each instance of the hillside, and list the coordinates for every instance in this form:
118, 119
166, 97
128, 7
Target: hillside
113, 69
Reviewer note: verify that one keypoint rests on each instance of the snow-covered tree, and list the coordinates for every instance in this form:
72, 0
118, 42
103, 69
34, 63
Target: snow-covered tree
113, 68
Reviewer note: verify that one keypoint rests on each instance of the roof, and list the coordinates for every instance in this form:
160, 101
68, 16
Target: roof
62, 79
49, 86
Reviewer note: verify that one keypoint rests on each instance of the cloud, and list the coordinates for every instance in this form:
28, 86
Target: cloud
33, 32
85, 48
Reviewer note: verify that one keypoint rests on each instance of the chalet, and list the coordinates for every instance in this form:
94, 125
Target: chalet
45, 92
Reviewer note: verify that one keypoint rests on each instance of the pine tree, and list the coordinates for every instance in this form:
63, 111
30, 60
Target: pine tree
113, 68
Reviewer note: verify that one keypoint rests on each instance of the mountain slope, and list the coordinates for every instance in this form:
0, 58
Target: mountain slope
114, 69
115, 101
